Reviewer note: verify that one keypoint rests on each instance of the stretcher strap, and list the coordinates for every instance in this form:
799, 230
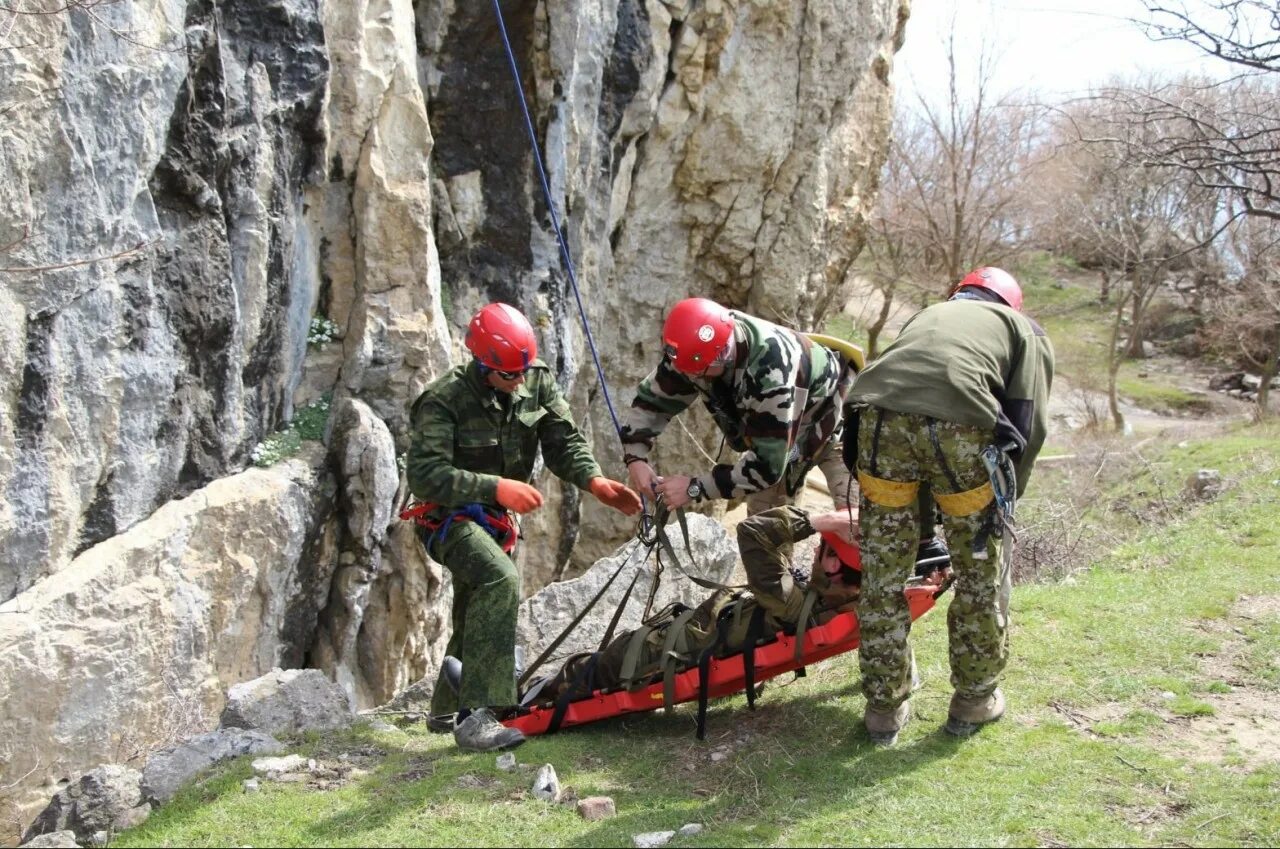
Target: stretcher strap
674, 649
704, 670
802, 624
586, 676
631, 659
755, 630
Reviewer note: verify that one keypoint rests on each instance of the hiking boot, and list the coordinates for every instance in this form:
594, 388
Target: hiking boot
481, 732
931, 556
883, 725
968, 715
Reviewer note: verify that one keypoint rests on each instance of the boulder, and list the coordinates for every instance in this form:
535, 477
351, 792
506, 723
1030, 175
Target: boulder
107, 798
595, 808
53, 840
1204, 485
168, 769
544, 615
287, 701
546, 785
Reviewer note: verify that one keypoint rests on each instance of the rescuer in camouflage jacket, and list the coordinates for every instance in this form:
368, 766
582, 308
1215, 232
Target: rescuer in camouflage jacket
776, 396
476, 434
962, 375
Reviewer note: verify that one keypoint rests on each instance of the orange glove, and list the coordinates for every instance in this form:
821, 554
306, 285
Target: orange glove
517, 496
615, 495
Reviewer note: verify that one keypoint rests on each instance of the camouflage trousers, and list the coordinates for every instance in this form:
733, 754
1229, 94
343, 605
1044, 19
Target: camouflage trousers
486, 598
898, 447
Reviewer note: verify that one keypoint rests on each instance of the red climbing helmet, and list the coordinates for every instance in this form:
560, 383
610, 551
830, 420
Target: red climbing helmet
848, 553
501, 338
696, 333
995, 280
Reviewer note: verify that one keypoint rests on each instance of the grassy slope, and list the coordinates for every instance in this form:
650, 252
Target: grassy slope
1108, 683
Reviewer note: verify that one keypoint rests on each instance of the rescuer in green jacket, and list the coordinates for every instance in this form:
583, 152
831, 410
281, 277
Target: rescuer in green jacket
476, 434
965, 378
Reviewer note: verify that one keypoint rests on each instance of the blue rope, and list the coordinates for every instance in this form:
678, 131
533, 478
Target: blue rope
555, 221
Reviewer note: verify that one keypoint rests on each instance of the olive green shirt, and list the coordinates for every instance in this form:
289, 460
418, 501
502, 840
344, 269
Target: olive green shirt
970, 363
467, 435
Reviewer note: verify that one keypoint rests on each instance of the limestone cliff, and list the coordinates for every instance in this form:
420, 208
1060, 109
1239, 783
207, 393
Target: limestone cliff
187, 185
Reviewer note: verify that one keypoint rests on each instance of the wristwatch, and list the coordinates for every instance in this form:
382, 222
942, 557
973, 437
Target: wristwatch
696, 490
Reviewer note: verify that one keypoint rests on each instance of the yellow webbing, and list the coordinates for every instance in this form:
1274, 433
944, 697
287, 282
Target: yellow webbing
888, 493
965, 503
850, 351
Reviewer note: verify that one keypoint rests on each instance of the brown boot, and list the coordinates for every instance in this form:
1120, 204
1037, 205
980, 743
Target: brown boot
968, 715
883, 725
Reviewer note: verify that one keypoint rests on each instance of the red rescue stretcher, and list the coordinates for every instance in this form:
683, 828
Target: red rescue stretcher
727, 675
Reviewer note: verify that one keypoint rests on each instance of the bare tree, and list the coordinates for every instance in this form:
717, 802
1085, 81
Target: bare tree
1242, 32
1245, 322
950, 190
1143, 226
1227, 133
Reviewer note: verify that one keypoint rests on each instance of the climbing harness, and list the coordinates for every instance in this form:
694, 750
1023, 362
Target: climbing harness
499, 525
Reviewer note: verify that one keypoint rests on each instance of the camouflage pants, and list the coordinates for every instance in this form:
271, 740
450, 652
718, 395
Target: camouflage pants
903, 450
486, 597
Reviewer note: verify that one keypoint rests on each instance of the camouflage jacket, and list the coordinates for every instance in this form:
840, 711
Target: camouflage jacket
764, 404
466, 435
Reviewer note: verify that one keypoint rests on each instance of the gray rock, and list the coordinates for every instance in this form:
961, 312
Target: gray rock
689, 829
595, 808
1251, 383
546, 785
279, 766
173, 766
381, 726
652, 839
507, 761
544, 615
104, 799
1204, 485
287, 702
251, 785
53, 840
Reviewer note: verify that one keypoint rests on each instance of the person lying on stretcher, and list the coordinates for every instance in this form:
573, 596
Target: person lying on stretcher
636, 657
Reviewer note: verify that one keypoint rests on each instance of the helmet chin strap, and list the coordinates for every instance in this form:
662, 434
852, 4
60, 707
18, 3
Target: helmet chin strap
730, 351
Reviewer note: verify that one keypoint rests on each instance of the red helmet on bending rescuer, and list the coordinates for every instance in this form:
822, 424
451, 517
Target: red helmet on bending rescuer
696, 334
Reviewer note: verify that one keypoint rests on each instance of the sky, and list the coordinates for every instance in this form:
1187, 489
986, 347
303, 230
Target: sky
1050, 46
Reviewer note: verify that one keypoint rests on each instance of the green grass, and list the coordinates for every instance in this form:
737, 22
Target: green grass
1107, 672
1154, 393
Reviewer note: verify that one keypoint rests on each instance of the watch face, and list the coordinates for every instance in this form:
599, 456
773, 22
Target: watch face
694, 490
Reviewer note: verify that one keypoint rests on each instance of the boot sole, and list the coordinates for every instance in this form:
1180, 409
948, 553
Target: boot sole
962, 728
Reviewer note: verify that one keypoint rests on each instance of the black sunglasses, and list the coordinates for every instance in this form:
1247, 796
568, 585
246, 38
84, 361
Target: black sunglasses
509, 375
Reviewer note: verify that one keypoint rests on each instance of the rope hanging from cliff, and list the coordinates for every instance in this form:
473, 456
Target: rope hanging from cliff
555, 219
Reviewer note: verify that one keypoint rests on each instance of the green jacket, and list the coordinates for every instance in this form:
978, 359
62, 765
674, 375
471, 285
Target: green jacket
970, 363
467, 435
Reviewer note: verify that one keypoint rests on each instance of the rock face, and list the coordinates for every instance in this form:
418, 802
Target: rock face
134, 642
189, 184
